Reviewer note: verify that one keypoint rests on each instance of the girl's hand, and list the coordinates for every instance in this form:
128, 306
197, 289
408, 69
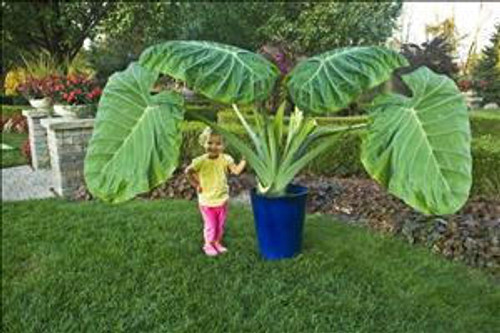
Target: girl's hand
198, 189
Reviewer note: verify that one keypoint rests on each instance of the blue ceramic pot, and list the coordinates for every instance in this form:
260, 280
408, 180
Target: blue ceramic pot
279, 222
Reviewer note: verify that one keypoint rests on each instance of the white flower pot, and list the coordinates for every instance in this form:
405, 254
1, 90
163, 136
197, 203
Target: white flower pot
73, 111
41, 103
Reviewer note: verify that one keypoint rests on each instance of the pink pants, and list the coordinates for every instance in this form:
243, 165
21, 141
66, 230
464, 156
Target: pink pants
214, 221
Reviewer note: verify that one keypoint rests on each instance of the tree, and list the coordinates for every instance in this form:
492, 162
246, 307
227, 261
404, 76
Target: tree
319, 26
446, 30
55, 26
487, 72
436, 54
233, 24
308, 27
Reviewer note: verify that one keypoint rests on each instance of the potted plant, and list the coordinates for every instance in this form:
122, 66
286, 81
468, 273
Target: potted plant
418, 147
75, 96
35, 90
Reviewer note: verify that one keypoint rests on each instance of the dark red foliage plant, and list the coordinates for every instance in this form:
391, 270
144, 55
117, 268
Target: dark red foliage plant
26, 150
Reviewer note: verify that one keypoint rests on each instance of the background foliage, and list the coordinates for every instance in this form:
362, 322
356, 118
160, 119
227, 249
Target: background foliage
488, 71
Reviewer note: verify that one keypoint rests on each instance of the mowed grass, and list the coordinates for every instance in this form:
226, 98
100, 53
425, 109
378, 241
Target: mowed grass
13, 157
138, 267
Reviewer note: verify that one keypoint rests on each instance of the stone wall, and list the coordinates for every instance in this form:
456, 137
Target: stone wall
67, 144
38, 138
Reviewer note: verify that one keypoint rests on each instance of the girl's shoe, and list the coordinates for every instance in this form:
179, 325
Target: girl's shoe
220, 248
210, 250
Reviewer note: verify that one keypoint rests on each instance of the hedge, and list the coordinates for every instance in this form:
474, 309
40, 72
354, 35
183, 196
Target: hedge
342, 159
228, 116
482, 121
486, 166
485, 123
207, 111
10, 110
191, 147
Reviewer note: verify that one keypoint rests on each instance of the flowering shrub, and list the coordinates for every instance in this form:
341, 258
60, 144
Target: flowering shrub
33, 88
465, 85
16, 123
74, 90
13, 79
478, 85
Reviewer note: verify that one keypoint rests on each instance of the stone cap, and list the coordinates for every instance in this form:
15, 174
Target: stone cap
65, 123
35, 113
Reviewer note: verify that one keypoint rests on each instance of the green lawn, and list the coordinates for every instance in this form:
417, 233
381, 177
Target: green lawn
13, 157
138, 267
490, 114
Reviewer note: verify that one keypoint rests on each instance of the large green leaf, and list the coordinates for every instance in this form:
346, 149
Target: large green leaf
332, 80
419, 147
221, 72
136, 139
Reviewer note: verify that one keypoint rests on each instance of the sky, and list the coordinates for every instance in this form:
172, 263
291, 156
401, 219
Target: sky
416, 15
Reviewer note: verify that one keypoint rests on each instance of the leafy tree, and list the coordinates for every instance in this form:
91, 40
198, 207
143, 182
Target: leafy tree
487, 72
233, 24
307, 27
446, 30
55, 26
319, 26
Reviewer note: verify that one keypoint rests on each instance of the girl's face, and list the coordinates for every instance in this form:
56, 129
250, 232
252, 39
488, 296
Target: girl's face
214, 145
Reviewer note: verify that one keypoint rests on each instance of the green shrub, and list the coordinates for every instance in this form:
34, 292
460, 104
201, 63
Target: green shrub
485, 123
342, 159
10, 110
12, 100
191, 147
207, 111
486, 166
228, 116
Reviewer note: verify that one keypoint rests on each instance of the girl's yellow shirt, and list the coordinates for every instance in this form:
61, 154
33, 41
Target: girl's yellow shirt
213, 181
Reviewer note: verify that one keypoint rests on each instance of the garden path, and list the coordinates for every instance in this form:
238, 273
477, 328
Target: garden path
23, 183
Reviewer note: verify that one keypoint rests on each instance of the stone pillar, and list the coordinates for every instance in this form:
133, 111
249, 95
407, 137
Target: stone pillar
38, 138
68, 140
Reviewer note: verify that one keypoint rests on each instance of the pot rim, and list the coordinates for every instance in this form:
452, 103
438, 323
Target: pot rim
65, 105
39, 98
303, 190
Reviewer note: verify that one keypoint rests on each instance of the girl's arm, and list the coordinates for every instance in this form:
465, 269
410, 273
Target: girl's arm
237, 169
193, 179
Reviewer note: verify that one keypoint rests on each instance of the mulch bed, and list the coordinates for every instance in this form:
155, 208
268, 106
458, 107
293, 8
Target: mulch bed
472, 235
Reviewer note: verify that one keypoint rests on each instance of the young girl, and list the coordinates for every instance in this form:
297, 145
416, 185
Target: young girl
207, 173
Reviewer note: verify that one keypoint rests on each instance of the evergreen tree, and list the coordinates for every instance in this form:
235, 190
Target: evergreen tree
487, 73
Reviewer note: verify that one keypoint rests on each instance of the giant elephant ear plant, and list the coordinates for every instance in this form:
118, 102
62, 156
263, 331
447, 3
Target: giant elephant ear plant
418, 146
